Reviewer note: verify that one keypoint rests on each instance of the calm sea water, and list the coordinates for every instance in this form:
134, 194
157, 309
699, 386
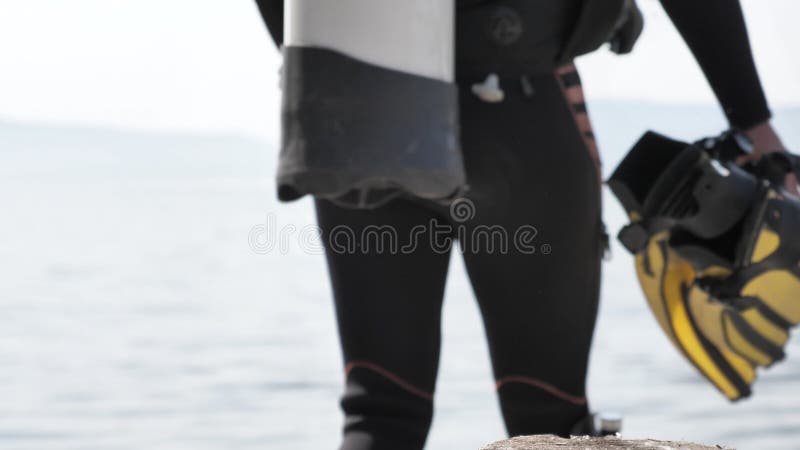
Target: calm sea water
134, 314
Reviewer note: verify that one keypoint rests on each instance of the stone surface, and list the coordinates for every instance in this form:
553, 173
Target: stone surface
547, 442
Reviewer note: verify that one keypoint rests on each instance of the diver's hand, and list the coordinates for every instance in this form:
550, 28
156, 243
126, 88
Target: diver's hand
766, 140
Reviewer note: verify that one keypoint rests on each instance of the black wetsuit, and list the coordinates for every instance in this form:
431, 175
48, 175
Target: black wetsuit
531, 161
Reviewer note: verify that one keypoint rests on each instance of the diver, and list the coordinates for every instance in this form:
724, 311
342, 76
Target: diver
526, 155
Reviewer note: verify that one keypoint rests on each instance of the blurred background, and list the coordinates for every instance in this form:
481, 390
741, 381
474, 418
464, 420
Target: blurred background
138, 141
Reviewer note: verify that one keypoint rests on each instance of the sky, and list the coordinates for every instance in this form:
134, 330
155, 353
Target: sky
208, 65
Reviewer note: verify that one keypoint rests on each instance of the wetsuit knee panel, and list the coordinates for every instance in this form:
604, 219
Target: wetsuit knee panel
377, 403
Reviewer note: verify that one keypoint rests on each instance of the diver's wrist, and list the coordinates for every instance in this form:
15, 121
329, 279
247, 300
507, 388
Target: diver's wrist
764, 139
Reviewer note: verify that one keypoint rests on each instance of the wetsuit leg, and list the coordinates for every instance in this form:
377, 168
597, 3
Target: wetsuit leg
528, 164
388, 306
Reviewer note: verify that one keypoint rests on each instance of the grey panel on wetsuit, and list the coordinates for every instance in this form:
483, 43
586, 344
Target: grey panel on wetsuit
360, 135
369, 107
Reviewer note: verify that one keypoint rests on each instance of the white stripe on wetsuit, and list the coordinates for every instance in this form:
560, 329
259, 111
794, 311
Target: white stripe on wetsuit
413, 36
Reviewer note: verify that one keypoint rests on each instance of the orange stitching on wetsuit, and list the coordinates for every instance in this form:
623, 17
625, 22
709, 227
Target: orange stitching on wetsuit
547, 387
570, 84
389, 376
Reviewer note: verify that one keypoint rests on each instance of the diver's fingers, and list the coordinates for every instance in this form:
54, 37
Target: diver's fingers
792, 186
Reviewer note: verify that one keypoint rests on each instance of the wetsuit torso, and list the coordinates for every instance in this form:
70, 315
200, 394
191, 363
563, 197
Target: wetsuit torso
531, 161
714, 30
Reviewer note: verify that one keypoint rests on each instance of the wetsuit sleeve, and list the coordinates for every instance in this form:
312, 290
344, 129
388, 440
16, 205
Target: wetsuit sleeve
272, 13
716, 33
